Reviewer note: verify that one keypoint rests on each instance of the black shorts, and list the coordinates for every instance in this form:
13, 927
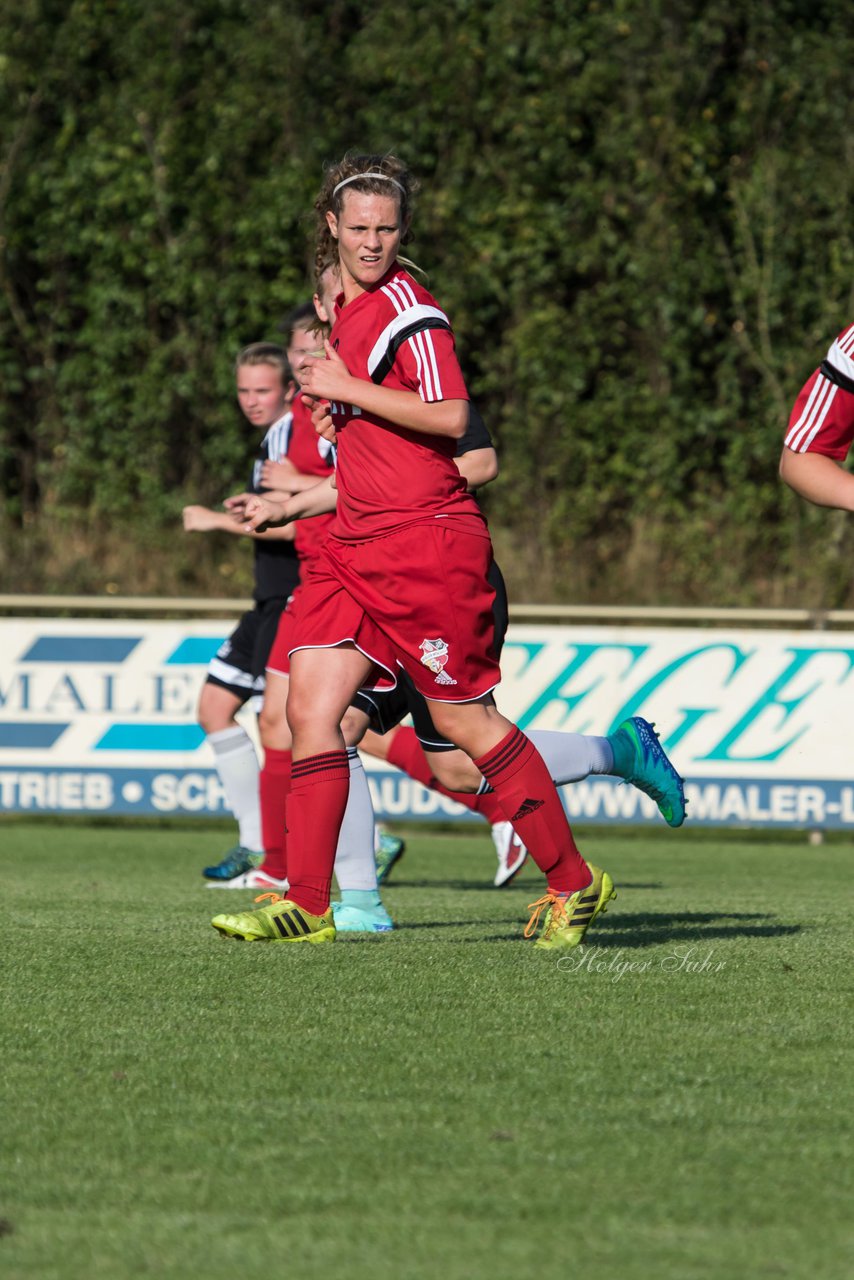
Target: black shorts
241, 660
387, 709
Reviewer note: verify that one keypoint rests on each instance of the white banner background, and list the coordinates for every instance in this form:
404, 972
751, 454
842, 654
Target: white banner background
99, 717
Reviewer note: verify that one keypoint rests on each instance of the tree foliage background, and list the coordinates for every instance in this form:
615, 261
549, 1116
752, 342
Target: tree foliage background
636, 212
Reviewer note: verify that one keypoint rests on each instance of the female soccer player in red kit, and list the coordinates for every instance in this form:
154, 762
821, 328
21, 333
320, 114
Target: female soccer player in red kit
402, 579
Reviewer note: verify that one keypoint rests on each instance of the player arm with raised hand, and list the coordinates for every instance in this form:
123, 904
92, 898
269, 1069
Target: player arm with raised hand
331, 380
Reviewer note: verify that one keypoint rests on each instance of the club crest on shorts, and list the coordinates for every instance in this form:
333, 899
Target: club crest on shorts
434, 654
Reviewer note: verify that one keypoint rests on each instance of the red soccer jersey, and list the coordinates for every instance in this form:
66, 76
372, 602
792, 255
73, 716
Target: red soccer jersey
822, 420
313, 456
388, 476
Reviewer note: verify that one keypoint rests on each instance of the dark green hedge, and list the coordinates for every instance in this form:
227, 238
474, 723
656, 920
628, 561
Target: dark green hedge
637, 214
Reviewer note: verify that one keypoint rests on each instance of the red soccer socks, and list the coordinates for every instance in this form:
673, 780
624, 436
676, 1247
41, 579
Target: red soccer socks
318, 797
274, 785
521, 782
407, 754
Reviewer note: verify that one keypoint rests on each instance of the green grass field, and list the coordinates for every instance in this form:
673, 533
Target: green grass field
444, 1101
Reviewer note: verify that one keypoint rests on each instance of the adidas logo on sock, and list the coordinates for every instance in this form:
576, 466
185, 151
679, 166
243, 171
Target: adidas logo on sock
527, 806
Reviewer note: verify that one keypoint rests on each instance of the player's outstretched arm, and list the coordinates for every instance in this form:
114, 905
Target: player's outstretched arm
818, 478
263, 511
269, 511
236, 503
198, 519
204, 520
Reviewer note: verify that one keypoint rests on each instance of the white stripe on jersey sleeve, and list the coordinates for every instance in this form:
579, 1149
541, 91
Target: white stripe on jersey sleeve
815, 411
425, 384
423, 349
431, 386
392, 292
406, 290
402, 297
840, 354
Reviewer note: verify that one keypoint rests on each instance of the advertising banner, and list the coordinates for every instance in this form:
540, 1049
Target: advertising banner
98, 717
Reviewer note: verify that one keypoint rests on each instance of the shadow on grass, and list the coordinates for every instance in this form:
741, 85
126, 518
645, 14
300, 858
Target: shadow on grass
635, 932
651, 930
517, 886
405, 927
438, 884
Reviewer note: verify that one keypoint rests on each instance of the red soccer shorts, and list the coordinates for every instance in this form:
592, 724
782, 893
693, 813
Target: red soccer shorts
417, 598
279, 658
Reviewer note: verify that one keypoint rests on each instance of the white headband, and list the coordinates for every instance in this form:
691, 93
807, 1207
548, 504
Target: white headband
356, 176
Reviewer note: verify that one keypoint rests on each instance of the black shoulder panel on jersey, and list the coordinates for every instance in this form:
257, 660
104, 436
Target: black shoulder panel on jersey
384, 367
836, 376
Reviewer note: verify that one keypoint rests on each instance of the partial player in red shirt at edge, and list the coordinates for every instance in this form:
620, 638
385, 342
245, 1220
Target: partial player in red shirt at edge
401, 580
821, 430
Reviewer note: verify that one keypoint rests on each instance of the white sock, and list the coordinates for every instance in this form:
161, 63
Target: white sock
570, 757
237, 765
354, 858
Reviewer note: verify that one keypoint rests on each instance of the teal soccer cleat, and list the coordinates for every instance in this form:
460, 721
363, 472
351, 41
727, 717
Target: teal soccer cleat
235, 863
640, 759
389, 850
350, 919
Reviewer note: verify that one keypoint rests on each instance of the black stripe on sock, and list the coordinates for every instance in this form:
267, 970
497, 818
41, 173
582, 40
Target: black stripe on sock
505, 757
329, 762
509, 751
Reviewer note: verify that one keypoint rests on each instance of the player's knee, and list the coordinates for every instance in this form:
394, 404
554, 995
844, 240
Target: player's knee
454, 770
273, 728
215, 712
451, 725
353, 726
301, 714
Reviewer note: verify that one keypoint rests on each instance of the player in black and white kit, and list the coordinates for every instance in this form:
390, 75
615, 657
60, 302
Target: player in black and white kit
235, 675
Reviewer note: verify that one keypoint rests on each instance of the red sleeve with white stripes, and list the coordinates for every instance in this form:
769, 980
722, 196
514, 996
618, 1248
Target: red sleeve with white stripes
428, 362
822, 420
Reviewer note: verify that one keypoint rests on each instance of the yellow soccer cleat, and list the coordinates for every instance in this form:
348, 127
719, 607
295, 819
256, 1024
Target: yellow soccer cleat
279, 921
567, 919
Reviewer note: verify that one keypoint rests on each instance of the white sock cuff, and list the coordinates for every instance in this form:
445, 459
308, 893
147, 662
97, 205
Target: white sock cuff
226, 741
